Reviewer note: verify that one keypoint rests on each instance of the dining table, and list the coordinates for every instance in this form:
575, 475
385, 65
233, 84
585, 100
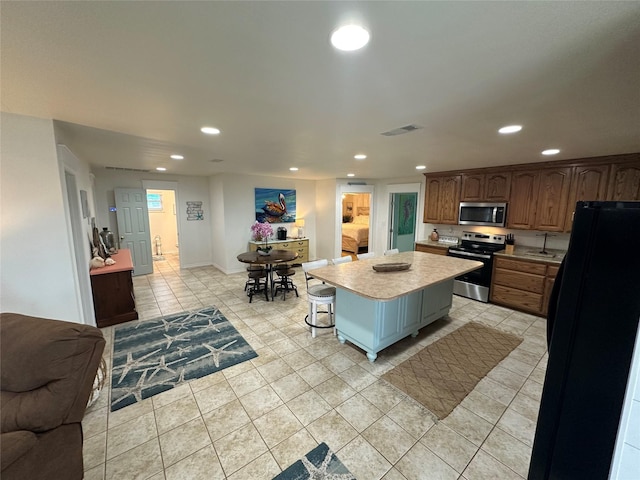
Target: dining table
268, 260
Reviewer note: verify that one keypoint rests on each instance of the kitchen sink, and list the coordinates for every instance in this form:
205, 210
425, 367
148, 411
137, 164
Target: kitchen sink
536, 253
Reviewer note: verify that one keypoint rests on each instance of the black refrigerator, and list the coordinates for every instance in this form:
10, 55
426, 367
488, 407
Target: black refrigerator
591, 330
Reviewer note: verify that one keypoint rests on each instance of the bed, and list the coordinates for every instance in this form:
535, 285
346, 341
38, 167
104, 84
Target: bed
355, 235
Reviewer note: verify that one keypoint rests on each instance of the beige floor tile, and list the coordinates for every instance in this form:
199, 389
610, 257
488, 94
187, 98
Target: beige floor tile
471, 426
495, 390
394, 474
141, 462
290, 386
205, 382
357, 377
507, 377
286, 346
532, 389
94, 450
247, 382
201, 465
277, 425
131, 434
170, 396
94, 422
526, 406
383, 395
226, 419
518, 426
275, 370
96, 473
359, 412
420, 460
308, 407
451, 447
260, 401
332, 429
214, 397
483, 406
315, 373
177, 413
299, 359
183, 440
517, 366
262, 468
337, 362
363, 460
508, 450
335, 391
485, 467
130, 412
237, 369
412, 417
265, 355
239, 448
389, 438
293, 448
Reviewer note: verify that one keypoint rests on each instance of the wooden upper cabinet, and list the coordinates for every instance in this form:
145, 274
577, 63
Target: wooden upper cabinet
472, 188
442, 199
552, 199
625, 182
490, 187
589, 182
497, 187
432, 201
521, 211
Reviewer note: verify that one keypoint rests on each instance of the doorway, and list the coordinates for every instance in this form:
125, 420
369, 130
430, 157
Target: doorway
354, 217
404, 215
163, 226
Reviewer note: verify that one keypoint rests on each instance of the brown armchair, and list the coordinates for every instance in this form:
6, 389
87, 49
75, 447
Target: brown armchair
47, 372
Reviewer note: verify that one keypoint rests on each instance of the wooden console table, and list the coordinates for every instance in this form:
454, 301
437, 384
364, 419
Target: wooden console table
112, 287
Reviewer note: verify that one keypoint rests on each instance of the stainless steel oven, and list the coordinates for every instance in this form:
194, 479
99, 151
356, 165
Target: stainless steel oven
479, 247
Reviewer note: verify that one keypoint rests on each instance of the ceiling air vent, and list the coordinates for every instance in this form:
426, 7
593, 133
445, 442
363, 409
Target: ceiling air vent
124, 169
401, 130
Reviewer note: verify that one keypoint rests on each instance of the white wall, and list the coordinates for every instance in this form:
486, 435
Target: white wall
235, 194
37, 275
195, 236
327, 208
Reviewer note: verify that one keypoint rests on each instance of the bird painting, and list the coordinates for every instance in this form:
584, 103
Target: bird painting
275, 206
275, 210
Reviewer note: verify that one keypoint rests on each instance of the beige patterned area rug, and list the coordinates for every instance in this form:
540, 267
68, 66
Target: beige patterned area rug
442, 374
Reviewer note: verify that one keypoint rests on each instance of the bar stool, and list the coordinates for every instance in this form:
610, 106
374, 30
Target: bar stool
339, 260
257, 283
284, 282
318, 294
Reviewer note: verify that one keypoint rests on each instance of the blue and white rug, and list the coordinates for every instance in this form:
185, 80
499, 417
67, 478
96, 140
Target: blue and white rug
152, 356
319, 464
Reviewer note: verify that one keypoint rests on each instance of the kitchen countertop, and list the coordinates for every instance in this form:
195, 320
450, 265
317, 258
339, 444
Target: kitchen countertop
531, 253
431, 243
426, 269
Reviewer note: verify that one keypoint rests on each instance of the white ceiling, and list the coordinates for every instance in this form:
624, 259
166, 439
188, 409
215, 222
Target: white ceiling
133, 82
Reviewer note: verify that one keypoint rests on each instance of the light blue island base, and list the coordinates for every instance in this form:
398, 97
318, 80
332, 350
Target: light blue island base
374, 325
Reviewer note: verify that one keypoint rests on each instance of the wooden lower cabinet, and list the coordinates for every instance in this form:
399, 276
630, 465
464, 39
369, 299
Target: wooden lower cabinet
112, 289
522, 285
431, 249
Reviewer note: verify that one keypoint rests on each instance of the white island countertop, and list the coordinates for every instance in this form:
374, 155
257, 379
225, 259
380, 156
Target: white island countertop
426, 269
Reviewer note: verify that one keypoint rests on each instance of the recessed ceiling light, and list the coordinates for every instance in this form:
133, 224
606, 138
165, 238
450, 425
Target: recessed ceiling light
294, 169
349, 38
351, 174
421, 167
551, 151
161, 169
360, 156
210, 130
510, 129
177, 157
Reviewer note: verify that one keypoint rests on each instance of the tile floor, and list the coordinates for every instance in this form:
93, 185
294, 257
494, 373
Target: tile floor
254, 419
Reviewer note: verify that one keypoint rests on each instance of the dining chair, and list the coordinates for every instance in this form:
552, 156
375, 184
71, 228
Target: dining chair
339, 260
391, 251
364, 256
318, 294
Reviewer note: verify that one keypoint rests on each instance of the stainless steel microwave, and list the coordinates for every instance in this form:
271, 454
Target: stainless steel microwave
488, 214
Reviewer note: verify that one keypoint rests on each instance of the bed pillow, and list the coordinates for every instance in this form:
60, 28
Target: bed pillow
361, 220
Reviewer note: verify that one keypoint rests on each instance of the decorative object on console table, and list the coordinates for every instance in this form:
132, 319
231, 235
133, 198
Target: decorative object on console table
300, 225
261, 233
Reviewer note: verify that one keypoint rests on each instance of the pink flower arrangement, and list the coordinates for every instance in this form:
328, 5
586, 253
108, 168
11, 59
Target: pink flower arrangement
261, 231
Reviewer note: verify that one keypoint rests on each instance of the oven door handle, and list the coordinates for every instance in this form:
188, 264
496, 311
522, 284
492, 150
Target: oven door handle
468, 254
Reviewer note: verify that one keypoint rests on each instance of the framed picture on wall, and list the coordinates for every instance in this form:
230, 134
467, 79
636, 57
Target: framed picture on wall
274, 205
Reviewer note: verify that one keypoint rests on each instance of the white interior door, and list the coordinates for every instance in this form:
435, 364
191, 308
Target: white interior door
132, 214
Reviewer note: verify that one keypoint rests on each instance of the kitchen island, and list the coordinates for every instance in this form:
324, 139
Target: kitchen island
376, 309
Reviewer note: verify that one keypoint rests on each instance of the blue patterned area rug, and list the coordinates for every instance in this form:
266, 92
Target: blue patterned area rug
319, 464
152, 356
